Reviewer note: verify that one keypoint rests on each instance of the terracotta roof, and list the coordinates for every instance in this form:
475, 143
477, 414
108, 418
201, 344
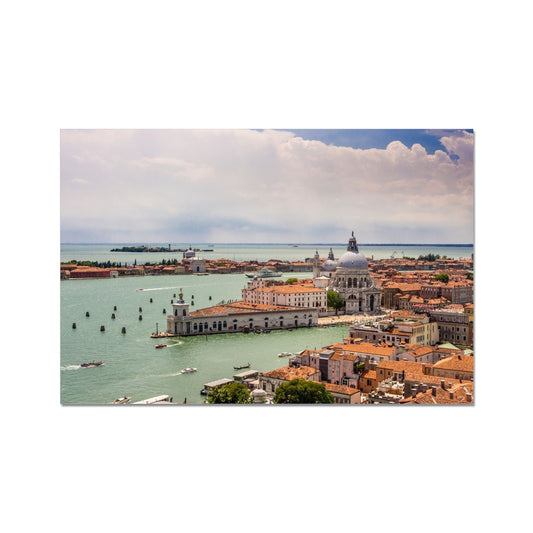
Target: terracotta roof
369, 374
464, 363
242, 307
400, 366
418, 377
289, 289
365, 348
443, 396
341, 389
287, 373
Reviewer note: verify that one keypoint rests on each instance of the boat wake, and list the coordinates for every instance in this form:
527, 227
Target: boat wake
71, 367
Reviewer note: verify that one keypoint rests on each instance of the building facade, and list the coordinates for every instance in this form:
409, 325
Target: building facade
236, 317
350, 278
302, 294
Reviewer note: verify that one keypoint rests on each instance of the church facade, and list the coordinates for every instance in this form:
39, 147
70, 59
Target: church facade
350, 278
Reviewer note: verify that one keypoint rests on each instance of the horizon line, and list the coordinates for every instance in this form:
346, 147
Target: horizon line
277, 243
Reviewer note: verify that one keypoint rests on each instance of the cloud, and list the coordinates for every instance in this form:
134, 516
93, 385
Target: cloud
260, 186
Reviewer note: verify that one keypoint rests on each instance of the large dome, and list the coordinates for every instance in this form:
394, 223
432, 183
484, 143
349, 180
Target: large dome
353, 261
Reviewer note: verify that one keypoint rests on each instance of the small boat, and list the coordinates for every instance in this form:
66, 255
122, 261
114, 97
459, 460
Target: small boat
263, 273
94, 363
160, 345
188, 370
284, 354
241, 366
119, 401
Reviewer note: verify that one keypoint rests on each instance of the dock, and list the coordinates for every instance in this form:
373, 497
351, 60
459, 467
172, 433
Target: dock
164, 399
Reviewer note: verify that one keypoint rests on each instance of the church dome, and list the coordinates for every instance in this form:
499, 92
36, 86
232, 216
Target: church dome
329, 265
352, 259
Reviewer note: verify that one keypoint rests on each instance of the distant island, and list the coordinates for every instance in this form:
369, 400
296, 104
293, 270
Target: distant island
156, 249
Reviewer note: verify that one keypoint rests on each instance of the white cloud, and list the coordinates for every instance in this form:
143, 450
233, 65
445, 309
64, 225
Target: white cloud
240, 185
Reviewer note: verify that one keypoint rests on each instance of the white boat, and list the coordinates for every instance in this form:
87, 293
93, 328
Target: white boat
284, 354
263, 273
188, 370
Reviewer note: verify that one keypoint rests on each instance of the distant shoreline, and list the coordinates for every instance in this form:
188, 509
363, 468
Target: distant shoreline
273, 244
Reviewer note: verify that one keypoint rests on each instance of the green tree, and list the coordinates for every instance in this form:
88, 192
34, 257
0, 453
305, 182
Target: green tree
334, 301
302, 391
230, 393
442, 277
470, 275
291, 281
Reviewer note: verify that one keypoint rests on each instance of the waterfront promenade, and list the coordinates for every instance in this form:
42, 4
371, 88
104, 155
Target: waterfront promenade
348, 319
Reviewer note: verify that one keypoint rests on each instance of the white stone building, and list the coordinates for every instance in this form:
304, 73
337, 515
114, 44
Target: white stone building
350, 278
236, 317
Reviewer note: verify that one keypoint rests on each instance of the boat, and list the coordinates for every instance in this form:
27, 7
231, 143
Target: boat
160, 345
284, 354
94, 363
119, 401
188, 370
263, 273
241, 366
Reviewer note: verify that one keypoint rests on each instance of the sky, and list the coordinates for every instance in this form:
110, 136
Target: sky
252, 186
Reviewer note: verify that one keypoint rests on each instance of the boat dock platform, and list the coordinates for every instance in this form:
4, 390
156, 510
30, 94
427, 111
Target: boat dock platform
164, 399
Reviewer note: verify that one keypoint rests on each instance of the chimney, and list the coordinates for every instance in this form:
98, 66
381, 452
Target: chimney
451, 395
434, 390
423, 387
414, 390
468, 397
443, 384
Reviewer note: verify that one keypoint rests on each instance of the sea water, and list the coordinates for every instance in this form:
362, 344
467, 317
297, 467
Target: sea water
132, 365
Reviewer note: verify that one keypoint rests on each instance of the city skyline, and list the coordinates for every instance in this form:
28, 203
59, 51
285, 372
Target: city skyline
261, 186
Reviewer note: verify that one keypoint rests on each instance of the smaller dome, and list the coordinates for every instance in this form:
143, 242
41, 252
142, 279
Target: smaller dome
329, 265
257, 393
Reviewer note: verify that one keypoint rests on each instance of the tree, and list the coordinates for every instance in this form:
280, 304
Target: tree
291, 281
334, 301
230, 393
442, 277
302, 391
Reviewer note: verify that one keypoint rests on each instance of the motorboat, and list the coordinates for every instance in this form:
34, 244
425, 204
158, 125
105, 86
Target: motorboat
119, 401
284, 354
188, 370
94, 363
160, 345
263, 273
241, 366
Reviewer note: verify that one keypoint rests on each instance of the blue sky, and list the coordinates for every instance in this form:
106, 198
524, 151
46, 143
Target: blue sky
402, 186
378, 138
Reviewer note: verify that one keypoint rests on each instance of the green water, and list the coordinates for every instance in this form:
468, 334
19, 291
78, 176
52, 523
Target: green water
133, 367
